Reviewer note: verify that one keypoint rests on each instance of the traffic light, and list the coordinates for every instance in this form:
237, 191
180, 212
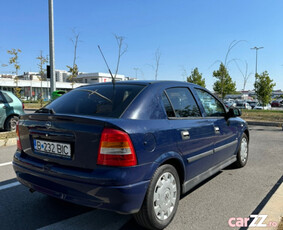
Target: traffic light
48, 71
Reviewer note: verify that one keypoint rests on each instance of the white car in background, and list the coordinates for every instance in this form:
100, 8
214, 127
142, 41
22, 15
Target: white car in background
229, 104
242, 105
260, 106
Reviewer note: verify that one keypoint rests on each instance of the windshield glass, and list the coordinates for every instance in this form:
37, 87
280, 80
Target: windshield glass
96, 100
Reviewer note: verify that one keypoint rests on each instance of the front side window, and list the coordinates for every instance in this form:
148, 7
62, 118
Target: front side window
183, 102
212, 107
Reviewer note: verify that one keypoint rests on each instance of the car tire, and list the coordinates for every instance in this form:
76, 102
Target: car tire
161, 200
11, 123
243, 152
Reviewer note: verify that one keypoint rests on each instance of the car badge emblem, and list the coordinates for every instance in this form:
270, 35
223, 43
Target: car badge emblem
48, 124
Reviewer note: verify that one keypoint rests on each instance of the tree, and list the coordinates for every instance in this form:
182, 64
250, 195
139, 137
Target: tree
137, 72
14, 61
231, 46
263, 87
245, 74
196, 78
226, 62
157, 59
122, 49
42, 70
224, 85
74, 70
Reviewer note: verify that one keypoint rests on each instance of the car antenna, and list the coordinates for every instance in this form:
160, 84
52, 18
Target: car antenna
113, 79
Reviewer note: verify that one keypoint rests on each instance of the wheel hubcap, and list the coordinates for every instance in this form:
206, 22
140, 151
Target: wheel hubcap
164, 198
244, 150
13, 124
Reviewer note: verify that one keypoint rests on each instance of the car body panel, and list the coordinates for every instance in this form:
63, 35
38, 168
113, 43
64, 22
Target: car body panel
53, 182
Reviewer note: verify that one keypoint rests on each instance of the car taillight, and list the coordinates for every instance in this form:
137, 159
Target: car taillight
116, 149
19, 145
23, 106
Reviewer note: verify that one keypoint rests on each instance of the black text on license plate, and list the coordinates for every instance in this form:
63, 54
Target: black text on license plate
56, 148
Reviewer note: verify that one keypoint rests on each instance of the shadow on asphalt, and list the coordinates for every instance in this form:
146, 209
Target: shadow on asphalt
131, 224
33, 208
8, 181
264, 201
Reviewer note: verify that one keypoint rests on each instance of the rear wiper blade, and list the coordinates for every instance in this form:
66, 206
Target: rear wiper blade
96, 93
45, 110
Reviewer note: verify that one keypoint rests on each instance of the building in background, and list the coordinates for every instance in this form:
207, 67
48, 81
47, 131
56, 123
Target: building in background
91, 78
32, 87
62, 75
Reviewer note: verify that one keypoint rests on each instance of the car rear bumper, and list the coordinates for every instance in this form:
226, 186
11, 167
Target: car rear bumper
125, 199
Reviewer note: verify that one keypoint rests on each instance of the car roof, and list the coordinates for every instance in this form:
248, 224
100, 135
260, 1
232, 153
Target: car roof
4, 91
146, 82
7, 92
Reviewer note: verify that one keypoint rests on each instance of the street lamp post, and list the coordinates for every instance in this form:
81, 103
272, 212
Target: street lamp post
256, 49
51, 48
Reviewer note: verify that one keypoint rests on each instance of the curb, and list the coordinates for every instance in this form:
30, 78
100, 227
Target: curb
265, 123
274, 211
8, 142
31, 109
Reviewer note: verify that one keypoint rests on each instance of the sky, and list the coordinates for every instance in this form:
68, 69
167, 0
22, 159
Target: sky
188, 34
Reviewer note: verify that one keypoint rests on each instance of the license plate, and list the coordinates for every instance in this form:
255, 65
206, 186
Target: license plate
55, 148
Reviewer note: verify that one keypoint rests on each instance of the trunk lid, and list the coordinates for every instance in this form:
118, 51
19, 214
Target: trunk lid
79, 133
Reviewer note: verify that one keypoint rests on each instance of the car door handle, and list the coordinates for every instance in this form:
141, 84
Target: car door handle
216, 129
185, 134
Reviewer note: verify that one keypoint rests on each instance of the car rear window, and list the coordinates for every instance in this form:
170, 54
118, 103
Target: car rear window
98, 100
4, 98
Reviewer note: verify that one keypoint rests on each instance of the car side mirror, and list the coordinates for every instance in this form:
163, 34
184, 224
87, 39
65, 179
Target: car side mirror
234, 112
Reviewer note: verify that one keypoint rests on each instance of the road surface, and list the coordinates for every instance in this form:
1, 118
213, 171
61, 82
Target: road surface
230, 193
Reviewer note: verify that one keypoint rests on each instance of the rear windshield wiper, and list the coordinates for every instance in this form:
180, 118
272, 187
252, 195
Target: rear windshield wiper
45, 110
96, 93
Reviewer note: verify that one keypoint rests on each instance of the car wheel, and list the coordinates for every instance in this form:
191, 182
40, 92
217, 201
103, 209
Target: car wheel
161, 200
243, 152
11, 123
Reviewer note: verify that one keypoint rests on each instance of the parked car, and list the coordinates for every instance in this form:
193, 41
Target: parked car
260, 106
10, 109
252, 103
277, 103
242, 105
230, 104
133, 147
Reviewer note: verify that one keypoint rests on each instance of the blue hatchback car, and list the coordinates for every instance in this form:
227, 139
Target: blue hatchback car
133, 147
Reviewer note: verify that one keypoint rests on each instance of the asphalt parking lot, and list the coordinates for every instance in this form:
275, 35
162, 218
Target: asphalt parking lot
230, 193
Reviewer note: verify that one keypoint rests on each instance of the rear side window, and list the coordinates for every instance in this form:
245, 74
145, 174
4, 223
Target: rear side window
1, 98
98, 100
183, 103
212, 107
168, 108
9, 100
